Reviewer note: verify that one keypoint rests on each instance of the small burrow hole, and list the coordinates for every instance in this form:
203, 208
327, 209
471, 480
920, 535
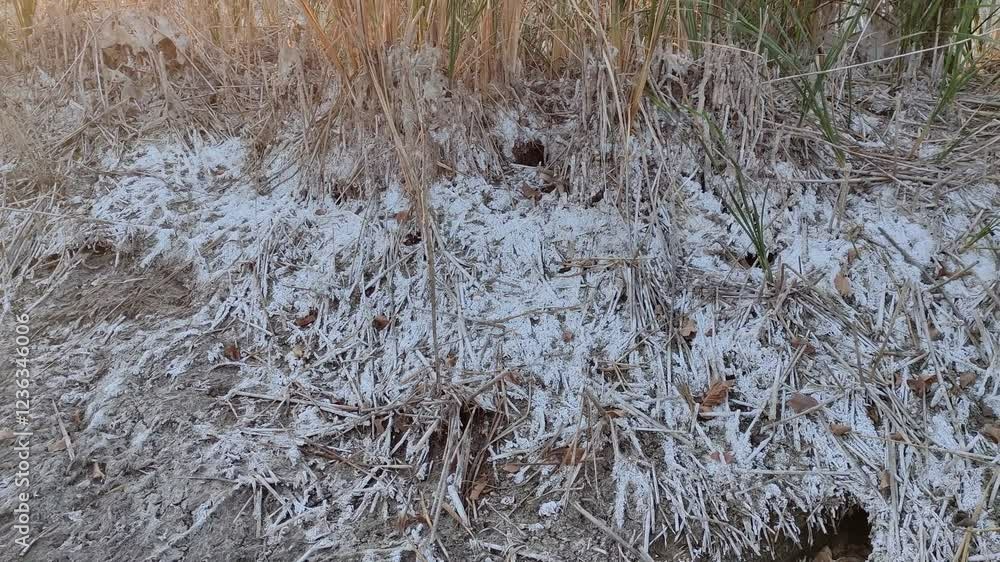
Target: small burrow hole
849, 539
750, 260
852, 539
529, 153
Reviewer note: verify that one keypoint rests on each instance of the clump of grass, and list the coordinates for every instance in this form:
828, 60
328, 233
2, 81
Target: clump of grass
958, 33
810, 41
747, 211
989, 227
791, 36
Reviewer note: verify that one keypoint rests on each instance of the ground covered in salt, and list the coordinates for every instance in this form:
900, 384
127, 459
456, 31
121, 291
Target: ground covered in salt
244, 354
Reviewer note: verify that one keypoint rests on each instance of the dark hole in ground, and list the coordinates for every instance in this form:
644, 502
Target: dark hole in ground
750, 260
529, 153
850, 540
412, 238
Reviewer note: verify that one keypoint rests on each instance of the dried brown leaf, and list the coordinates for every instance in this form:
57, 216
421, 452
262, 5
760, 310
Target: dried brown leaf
966, 380
987, 411
873, 414
992, 431
232, 352
801, 402
380, 322
920, 385
478, 489
531, 193
688, 328
724, 458
798, 342
511, 468
842, 284
716, 394
884, 480
512, 377
933, 332
404, 523
307, 320
839, 429
685, 391
568, 455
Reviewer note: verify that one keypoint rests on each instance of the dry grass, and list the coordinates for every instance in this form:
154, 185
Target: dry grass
488, 42
248, 65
